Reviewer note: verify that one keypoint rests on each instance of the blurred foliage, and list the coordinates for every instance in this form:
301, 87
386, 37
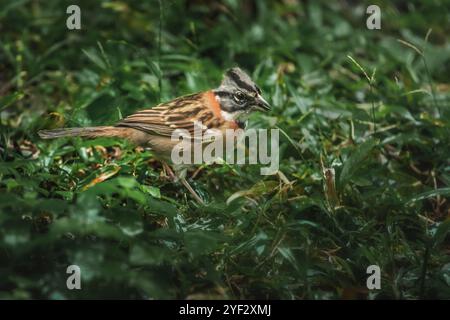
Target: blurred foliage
349, 193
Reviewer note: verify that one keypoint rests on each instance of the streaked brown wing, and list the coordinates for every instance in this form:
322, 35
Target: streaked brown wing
181, 113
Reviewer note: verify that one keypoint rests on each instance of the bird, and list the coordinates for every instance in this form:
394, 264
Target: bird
220, 109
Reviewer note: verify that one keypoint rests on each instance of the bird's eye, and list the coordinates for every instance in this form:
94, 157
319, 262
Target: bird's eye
239, 97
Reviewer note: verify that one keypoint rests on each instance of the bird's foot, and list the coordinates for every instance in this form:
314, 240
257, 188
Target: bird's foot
175, 178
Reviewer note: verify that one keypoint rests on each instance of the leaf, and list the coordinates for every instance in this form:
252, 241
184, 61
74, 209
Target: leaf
359, 67
287, 254
148, 255
10, 99
430, 194
52, 205
355, 161
292, 142
256, 240
201, 242
11, 5
410, 45
104, 176
93, 56
151, 190
330, 187
162, 207
153, 67
126, 182
260, 188
100, 110
441, 233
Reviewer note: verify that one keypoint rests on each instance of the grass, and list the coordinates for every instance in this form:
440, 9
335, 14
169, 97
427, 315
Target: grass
364, 156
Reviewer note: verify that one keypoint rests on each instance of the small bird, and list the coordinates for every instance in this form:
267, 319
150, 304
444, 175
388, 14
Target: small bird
219, 108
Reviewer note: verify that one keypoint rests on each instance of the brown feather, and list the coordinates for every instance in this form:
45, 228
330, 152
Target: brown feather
181, 113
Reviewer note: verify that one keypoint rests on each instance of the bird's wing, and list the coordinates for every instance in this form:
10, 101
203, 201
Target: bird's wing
188, 112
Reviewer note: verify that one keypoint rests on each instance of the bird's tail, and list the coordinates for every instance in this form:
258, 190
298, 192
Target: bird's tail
89, 132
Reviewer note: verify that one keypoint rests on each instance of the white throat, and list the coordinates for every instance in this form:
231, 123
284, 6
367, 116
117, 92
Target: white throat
230, 116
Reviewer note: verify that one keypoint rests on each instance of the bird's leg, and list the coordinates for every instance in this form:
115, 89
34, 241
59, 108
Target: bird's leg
196, 172
183, 181
169, 171
192, 191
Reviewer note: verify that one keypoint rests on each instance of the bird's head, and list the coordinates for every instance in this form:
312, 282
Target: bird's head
238, 94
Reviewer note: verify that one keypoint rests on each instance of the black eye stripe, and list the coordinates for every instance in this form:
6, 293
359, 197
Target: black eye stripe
223, 94
226, 94
241, 84
230, 104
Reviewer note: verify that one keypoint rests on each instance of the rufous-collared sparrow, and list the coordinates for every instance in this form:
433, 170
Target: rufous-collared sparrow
218, 109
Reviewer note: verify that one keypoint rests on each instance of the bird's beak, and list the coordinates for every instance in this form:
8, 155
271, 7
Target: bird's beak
262, 104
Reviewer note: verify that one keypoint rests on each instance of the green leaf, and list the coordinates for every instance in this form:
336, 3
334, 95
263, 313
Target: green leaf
201, 242
355, 161
100, 110
94, 57
151, 190
430, 194
287, 254
162, 207
148, 255
441, 233
10, 99
153, 67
